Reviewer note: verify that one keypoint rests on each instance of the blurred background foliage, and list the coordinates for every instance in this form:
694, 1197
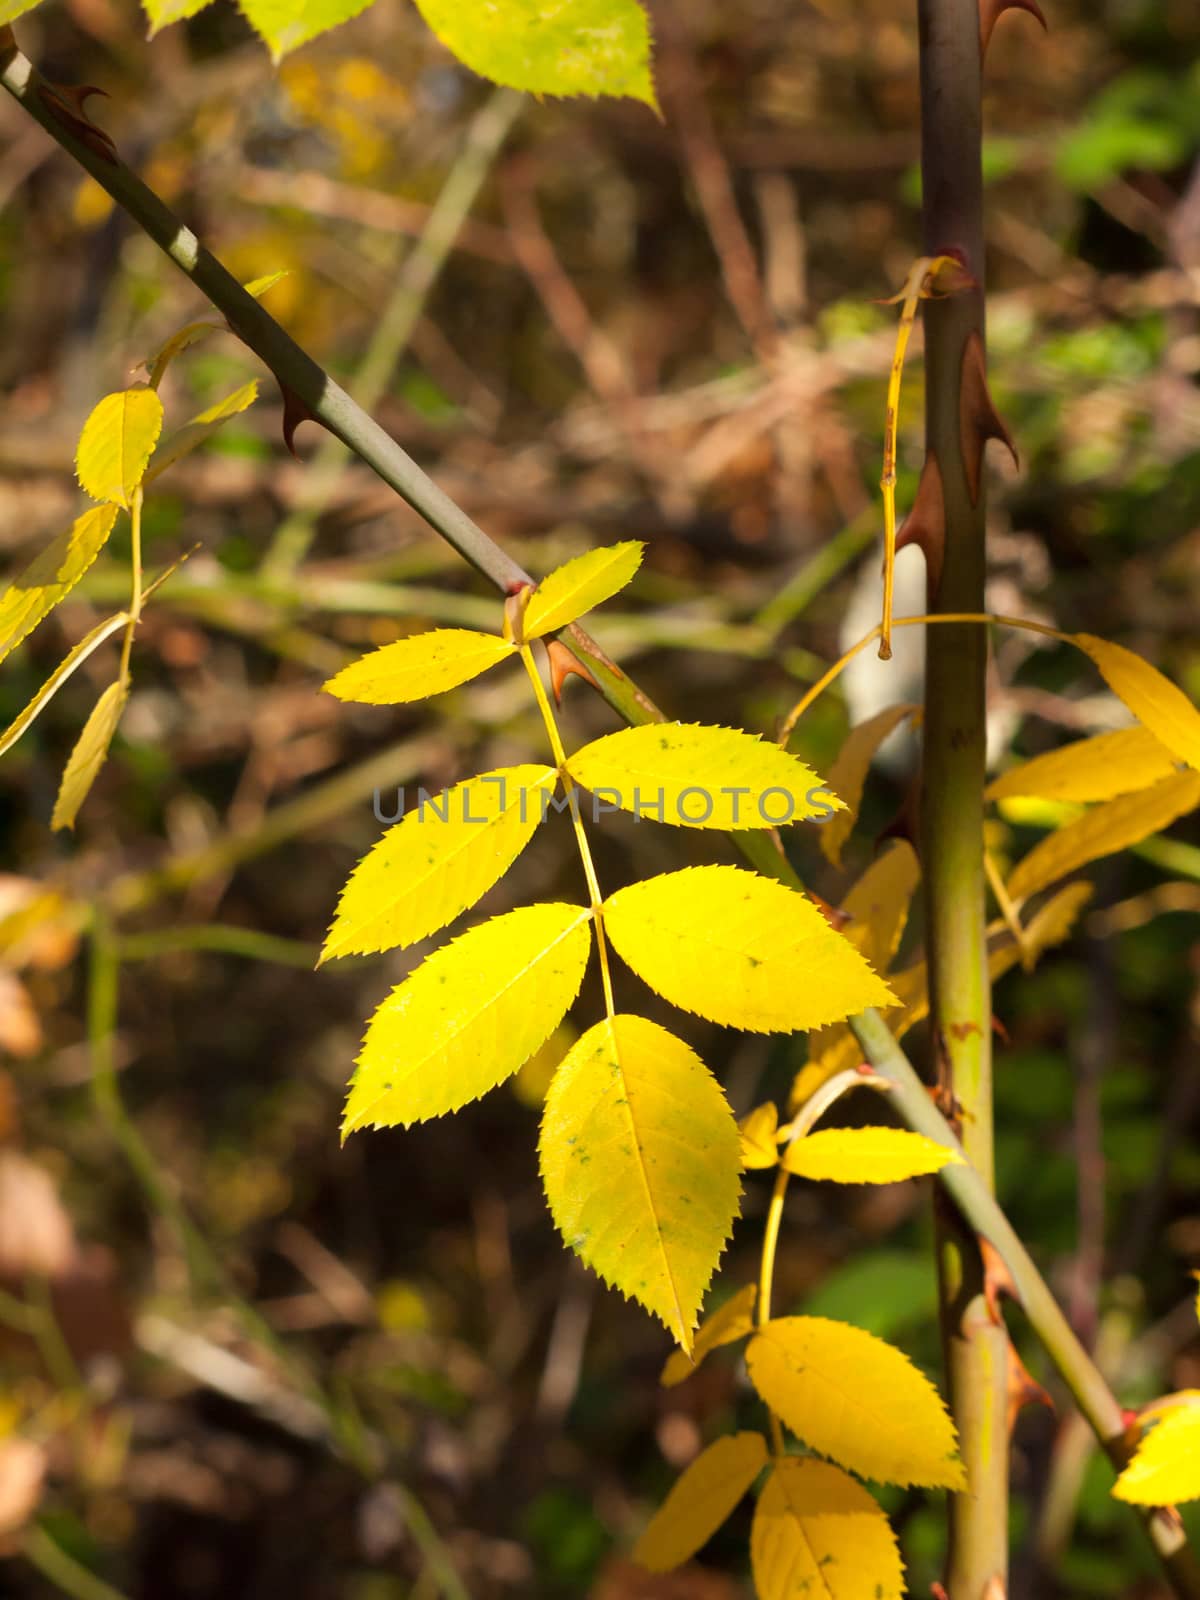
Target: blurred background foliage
238, 1360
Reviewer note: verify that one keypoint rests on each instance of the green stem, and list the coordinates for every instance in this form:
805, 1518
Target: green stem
69, 1576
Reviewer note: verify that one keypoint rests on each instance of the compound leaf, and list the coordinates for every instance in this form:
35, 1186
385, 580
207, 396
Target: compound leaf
848, 774
639, 1157
52, 575
741, 950
866, 1155
559, 47
1154, 700
439, 860
410, 669
701, 777
1106, 828
285, 25
730, 1322
117, 442
579, 585
469, 1016
857, 1400
1090, 769
701, 1500
89, 753
817, 1532
1165, 1469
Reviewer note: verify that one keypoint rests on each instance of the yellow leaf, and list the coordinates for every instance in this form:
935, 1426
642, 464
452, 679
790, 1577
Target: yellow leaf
1106, 828
831, 1050
117, 442
191, 333
426, 664
879, 902
848, 774
446, 853
1165, 1469
818, 1533
201, 428
730, 1322
1051, 925
741, 950
1154, 700
52, 575
700, 777
88, 755
866, 1155
639, 1157
572, 589
469, 1016
1090, 769
701, 1500
89, 643
757, 1132
857, 1400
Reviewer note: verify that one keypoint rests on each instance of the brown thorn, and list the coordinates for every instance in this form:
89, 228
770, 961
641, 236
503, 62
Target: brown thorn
979, 420
997, 1280
564, 665
1000, 1030
1023, 1390
65, 103
925, 524
990, 12
295, 411
938, 1592
836, 919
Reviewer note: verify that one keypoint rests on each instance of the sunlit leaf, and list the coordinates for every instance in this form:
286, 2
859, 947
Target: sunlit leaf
446, 853
579, 585
201, 428
1154, 700
10, 10
757, 1131
89, 754
52, 575
701, 1500
192, 333
469, 1016
1111, 826
561, 47
731, 1322
162, 13
1165, 1470
287, 24
818, 1533
639, 1157
740, 950
117, 442
831, 1050
866, 1155
1090, 769
857, 1400
700, 777
426, 664
89, 643
848, 774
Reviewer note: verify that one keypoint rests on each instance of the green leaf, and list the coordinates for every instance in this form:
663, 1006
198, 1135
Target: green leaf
469, 1016
52, 575
639, 1157
701, 777
446, 853
201, 428
287, 24
741, 950
89, 754
575, 588
857, 1400
866, 1155
819, 1534
701, 1500
117, 442
410, 669
86, 646
560, 47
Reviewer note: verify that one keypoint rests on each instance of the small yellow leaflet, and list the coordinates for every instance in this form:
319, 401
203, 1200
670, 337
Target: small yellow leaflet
757, 1131
89, 643
1165, 1469
740, 950
866, 1155
201, 428
639, 1158
117, 442
879, 902
1154, 700
857, 1400
579, 585
88, 755
1105, 829
831, 1050
285, 25
701, 1500
848, 774
435, 864
1090, 769
469, 1016
818, 1533
52, 575
701, 777
730, 1322
410, 669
